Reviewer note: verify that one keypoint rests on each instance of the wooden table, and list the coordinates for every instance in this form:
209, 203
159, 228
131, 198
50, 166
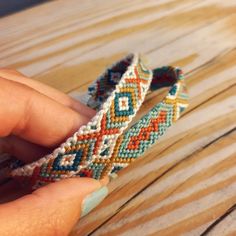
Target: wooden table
186, 184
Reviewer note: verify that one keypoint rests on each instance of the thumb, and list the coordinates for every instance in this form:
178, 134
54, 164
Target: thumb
51, 210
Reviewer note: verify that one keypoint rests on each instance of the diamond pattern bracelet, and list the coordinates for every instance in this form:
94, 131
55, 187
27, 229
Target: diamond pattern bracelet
106, 144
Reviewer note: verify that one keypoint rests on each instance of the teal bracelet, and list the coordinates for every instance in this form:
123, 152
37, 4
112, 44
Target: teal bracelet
106, 144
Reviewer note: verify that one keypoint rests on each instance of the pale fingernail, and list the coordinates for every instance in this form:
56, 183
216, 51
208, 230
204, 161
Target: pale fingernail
92, 200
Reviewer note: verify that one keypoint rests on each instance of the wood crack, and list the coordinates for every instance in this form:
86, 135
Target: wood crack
210, 98
224, 52
218, 220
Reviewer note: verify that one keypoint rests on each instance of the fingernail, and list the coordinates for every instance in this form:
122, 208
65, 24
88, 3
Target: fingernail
94, 199
113, 176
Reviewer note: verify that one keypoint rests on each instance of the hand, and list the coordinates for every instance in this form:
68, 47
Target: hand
34, 119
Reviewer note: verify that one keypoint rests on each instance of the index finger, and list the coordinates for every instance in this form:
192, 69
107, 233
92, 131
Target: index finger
35, 117
47, 90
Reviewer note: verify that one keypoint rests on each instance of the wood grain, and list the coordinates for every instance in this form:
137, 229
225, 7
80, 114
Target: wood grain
186, 184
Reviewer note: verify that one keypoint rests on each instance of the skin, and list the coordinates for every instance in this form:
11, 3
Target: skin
34, 119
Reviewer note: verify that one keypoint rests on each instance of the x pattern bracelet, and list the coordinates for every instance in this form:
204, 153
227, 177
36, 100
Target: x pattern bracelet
106, 144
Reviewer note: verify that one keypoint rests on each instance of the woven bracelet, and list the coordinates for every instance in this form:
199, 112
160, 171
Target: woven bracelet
106, 144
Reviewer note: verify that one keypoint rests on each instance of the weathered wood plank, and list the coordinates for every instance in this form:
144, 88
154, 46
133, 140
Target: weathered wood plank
186, 182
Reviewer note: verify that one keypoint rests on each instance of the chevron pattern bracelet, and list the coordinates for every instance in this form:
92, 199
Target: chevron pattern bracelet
106, 144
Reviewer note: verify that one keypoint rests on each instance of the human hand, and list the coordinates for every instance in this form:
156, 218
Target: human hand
34, 119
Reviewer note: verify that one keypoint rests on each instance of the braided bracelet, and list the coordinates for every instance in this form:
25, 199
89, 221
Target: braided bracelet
106, 144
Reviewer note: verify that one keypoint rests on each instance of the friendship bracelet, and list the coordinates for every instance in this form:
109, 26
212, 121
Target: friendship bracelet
125, 85
137, 139
106, 144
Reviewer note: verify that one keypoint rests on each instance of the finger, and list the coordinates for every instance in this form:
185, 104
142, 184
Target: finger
12, 190
51, 210
22, 149
34, 116
48, 91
